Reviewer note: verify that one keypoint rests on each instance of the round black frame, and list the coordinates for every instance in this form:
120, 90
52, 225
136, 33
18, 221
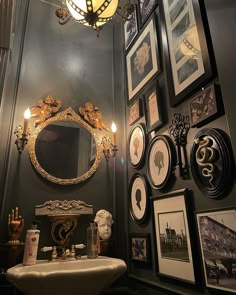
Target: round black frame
143, 178
225, 168
143, 130
172, 159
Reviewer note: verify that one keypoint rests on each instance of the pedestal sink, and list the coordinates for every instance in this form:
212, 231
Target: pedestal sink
79, 277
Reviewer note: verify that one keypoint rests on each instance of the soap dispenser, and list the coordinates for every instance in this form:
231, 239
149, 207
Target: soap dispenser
92, 241
31, 245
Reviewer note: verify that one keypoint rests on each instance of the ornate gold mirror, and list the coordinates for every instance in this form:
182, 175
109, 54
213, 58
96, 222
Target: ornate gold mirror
64, 149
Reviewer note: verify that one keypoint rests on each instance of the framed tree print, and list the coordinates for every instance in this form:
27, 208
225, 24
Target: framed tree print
142, 60
188, 62
173, 244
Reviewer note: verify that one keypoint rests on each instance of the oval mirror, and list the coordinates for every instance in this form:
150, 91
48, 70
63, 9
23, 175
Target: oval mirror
64, 149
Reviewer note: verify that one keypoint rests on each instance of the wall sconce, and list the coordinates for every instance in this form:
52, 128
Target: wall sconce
109, 145
22, 133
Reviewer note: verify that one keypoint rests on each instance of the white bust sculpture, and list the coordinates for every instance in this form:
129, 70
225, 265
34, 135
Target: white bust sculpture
104, 222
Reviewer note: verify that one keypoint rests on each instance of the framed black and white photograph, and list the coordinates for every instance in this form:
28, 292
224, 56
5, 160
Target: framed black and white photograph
131, 28
138, 198
135, 111
153, 105
146, 7
188, 59
140, 248
173, 244
161, 160
142, 60
217, 235
137, 145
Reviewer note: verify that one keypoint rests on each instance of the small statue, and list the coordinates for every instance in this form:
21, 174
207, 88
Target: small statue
104, 222
93, 116
15, 226
45, 108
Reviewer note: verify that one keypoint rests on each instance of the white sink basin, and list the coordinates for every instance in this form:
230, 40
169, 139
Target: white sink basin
79, 277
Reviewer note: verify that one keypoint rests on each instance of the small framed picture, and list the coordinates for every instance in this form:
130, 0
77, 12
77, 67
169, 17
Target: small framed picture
161, 159
146, 7
142, 60
173, 244
131, 28
140, 248
203, 106
135, 111
153, 113
138, 198
137, 145
217, 235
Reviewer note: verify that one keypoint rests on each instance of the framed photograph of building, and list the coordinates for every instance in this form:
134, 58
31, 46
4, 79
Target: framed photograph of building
137, 145
138, 198
217, 235
135, 111
140, 248
142, 60
173, 244
146, 7
131, 28
188, 58
153, 105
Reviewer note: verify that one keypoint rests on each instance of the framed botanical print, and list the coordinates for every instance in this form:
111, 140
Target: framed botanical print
153, 112
188, 63
135, 111
142, 60
140, 248
217, 235
173, 244
146, 7
131, 28
138, 197
137, 145
161, 159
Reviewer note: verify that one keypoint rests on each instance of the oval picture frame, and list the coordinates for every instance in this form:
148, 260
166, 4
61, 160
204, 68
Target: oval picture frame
137, 145
212, 163
161, 159
138, 198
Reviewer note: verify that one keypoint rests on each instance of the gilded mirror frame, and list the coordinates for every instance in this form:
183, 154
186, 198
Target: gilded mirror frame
70, 116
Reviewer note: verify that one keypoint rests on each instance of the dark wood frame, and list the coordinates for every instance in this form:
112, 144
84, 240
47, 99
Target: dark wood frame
207, 63
146, 237
142, 19
172, 159
136, 106
127, 46
131, 209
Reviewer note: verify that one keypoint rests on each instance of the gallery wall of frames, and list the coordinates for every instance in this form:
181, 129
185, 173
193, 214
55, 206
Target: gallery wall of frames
181, 226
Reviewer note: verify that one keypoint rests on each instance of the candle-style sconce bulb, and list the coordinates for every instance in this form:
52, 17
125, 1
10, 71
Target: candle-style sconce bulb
22, 133
109, 145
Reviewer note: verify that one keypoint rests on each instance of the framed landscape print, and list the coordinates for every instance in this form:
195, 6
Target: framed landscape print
153, 112
188, 60
137, 145
161, 159
135, 111
131, 28
173, 244
140, 248
146, 7
217, 235
142, 60
138, 198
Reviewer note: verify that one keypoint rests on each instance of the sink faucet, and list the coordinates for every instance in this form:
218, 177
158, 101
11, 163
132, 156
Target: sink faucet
66, 253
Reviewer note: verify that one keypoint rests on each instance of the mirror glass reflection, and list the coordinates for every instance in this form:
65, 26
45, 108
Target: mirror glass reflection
65, 149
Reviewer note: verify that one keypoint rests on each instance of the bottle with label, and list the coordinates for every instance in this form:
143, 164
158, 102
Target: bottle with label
92, 241
31, 245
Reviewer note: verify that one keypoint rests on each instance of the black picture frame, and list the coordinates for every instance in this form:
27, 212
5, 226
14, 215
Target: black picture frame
142, 60
217, 234
212, 162
140, 251
161, 161
187, 72
146, 8
131, 28
172, 232
154, 118
135, 111
138, 198
137, 145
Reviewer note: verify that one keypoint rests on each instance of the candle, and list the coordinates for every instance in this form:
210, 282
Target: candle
27, 115
113, 129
